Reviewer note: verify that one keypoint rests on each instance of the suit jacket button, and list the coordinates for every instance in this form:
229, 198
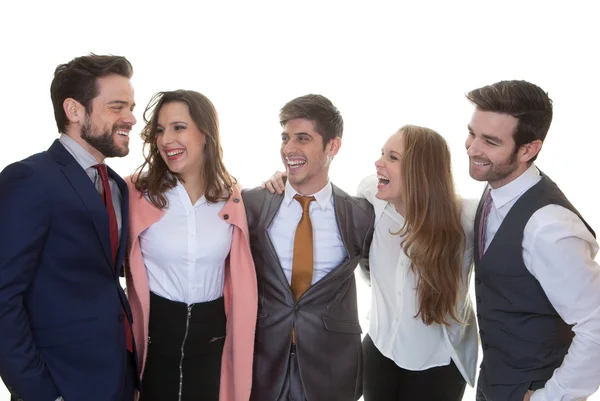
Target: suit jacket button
226, 216
121, 317
236, 200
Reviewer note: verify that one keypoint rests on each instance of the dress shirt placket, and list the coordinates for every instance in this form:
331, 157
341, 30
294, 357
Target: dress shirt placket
400, 281
192, 245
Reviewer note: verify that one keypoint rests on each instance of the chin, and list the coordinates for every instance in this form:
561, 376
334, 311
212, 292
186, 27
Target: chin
294, 179
380, 196
477, 177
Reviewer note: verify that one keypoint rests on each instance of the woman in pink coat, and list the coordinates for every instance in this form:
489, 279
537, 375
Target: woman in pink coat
191, 280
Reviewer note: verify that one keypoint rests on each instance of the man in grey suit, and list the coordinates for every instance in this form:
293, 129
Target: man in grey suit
306, 244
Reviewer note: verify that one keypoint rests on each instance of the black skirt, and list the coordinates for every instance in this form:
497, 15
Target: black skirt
185, 347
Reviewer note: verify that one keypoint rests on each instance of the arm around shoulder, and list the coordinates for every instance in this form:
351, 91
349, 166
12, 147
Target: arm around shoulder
367, 188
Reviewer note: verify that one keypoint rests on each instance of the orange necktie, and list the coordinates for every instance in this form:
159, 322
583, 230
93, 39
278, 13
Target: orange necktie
302, 264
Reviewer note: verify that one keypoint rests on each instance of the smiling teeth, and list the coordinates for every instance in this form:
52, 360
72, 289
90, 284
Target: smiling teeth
174, 153
481, 163
382, 177
295, 162
122, 133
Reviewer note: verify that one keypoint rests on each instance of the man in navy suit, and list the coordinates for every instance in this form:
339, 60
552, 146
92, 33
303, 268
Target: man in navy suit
65, 323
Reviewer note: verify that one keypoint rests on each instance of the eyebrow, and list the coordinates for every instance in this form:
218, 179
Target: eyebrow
493, 138
391, 151
296, 133
123, 102
489, 137
172, 123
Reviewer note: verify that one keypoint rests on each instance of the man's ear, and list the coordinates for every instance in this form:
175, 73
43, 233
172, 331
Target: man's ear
74, 110
529, 150
333, 146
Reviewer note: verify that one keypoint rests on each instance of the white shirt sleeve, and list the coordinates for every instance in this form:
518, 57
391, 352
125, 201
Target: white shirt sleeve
367, 188
559, 252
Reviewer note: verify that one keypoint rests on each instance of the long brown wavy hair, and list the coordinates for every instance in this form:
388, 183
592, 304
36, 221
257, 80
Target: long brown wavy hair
434, 238
157, 179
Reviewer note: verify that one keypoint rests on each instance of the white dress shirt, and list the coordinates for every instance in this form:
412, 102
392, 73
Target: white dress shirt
328, 248
559, 251
393, 327
185, 251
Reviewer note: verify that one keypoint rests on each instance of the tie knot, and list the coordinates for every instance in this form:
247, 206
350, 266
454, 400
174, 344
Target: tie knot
102, 171
488, 197
304, 201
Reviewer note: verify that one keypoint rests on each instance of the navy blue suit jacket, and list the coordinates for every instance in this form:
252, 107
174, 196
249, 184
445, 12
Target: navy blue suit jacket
61, 315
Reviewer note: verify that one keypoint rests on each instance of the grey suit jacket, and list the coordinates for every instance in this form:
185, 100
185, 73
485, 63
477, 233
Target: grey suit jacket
325, 318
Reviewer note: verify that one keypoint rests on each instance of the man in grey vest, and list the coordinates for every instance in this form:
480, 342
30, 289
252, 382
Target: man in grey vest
537, 285
306, 244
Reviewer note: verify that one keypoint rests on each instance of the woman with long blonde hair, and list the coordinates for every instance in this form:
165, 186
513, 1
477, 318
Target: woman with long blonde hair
422, 341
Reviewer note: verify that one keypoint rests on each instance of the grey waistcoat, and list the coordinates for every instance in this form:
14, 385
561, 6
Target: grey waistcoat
523, 337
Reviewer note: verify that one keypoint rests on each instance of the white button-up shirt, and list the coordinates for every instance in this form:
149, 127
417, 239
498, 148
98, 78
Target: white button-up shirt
185, 251
328, 248
559, 251
393, 327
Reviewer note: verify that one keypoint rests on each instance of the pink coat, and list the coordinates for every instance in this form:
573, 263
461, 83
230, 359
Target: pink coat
240, 292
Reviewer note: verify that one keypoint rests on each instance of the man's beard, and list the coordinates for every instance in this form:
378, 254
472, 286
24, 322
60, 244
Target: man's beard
501, 171
103, 142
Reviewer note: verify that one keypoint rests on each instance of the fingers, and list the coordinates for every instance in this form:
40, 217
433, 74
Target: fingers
275, 183
278, 181
269, 186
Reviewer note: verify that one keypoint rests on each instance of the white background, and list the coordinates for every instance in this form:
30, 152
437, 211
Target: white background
383, 64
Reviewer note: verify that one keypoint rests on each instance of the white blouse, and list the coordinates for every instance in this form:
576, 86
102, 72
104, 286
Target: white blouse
393, 327
185, 251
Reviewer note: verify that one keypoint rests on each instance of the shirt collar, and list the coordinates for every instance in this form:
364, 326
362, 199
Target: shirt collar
82, 156
323, 197
185, 198
516, 188
391, 211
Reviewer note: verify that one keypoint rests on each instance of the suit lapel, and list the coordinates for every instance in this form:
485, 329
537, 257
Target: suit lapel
93, 203
84, 188
339, 206
345, 229
267, 214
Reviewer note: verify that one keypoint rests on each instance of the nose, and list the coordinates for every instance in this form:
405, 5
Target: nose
130, 118
472, 146
379, 163
288, 148
166, 138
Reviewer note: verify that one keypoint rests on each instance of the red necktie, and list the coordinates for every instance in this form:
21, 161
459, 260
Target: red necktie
114, 237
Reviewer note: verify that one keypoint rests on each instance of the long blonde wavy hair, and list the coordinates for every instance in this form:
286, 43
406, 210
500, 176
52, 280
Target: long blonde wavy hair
433, 236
